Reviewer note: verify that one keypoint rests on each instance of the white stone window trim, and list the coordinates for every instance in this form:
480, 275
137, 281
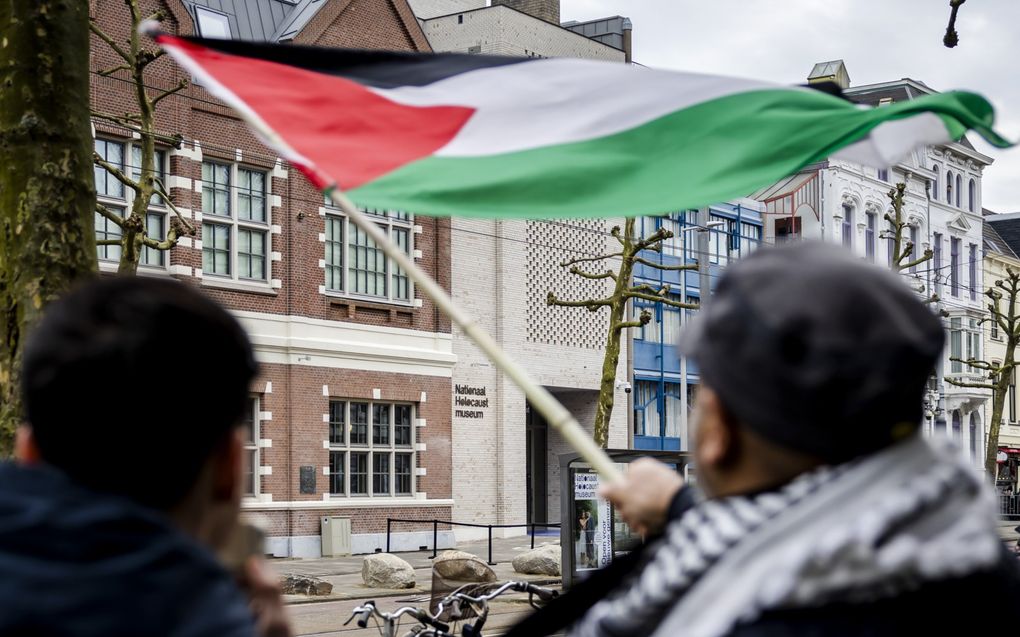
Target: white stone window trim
370, 449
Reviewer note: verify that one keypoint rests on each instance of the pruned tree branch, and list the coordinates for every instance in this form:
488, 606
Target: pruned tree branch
608, 274
660, 299
107, 242
116, 172
181, 85
109, 214
111, 71
110, 42
592, 305
961, 383
663, 266
577, 260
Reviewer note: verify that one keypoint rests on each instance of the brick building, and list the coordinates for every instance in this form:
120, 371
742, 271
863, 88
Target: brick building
350, 416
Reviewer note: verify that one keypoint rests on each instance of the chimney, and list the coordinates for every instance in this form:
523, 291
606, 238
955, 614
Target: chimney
548, 10
628, 28
833, 71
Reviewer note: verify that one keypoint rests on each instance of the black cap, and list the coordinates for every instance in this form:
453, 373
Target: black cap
817, 350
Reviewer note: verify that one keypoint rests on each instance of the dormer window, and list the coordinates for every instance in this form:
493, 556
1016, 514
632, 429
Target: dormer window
212, 24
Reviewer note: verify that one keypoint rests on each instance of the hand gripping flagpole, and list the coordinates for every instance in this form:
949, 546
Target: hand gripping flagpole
539, 397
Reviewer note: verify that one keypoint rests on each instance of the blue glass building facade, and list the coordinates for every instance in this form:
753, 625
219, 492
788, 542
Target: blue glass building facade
662, 389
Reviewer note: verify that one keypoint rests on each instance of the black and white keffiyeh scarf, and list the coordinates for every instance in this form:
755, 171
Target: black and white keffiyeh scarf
864, 530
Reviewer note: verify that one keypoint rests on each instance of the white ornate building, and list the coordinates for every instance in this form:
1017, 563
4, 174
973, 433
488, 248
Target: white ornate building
845, 203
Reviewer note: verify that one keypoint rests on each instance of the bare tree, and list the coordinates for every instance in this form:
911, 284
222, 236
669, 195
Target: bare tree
952, 38
135, 59
47, 235
903, 248
624, 291
1007, 319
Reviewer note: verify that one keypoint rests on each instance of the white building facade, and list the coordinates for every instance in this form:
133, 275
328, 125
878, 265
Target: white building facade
845, 203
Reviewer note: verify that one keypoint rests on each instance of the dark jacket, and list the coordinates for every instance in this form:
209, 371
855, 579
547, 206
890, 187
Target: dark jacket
76, 563
983, 603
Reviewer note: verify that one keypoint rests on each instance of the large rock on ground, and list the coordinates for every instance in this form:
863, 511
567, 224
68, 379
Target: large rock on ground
462, 567
385, 570
545, 560
304, 585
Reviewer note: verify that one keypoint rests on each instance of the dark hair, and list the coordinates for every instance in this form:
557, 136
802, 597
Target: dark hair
130, 385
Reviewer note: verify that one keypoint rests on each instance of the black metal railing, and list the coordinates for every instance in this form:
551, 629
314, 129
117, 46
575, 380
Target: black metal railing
435, 531
1009, 506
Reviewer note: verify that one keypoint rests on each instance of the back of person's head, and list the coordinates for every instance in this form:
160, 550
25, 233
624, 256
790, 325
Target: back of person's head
132, 384
817, 351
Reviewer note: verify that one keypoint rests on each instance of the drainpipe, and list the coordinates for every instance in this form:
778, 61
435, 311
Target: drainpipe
628, 29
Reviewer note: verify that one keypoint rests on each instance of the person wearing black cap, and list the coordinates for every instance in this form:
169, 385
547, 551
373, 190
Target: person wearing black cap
820, 509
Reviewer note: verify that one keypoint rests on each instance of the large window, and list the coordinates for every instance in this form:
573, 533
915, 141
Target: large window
937, 261
116, 198
949, 187
954, 266
356, 265
972, 268
956, 345
848, 226
1011, 396
235, 222
654, 414
935, 183
915, 249
972, 195
370, 448
869, 236
665, 324
959, 189
252, 431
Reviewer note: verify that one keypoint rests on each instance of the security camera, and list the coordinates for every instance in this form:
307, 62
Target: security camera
624, 385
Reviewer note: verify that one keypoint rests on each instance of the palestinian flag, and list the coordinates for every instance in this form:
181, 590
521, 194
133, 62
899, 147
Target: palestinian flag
476, 135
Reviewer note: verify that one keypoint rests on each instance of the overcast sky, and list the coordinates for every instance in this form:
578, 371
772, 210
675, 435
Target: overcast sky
879, 40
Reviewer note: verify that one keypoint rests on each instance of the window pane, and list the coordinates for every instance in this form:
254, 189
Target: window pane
106, 184
359, 473
154, 229
401, 284
367, 264
108, 230
402, 425
336, 472
215, 189
337, 409
359, 424
251, 254
402, 473
380, 424
381, 473
334, 253
215, 249
251, 195
249, 473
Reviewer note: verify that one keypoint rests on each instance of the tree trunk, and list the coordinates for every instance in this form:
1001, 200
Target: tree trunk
47, 231
999, 394
607, 387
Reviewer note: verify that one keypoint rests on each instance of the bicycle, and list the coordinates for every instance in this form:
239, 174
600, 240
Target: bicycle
453, 604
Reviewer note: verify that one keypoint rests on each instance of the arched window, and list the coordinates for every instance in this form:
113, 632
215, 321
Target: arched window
935, 184
949, 187
959, 189
971, 195
957, 425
